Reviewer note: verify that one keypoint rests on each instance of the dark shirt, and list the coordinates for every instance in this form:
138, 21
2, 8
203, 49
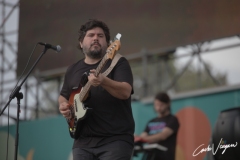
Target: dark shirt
155, 126
110, 118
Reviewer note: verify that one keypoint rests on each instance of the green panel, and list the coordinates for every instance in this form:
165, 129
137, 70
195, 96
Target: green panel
211, 104
47, 138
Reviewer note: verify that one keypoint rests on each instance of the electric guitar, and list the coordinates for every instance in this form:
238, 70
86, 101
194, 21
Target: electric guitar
77, 109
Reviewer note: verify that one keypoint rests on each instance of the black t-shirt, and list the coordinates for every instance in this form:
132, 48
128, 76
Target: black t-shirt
110, 118
155, 126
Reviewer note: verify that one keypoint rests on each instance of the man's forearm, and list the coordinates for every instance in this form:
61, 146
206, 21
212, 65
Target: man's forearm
121, 90
61, 99
153, 138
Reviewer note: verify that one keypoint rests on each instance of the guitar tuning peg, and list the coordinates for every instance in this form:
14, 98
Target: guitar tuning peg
111, 42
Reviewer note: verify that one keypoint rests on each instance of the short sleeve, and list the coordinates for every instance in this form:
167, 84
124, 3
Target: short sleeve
65, 91
122, 71
173, 124
147, 128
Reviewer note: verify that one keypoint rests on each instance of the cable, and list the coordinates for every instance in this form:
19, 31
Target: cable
24, 68
7, 135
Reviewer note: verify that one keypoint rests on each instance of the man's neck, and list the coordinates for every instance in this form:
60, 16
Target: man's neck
90, 60
164, 114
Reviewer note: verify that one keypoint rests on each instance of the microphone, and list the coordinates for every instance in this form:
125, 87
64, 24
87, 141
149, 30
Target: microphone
56, 48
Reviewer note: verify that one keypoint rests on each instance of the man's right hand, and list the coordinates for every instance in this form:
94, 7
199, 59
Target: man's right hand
64, 107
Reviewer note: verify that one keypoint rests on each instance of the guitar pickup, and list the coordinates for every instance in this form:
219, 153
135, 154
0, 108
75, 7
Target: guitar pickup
75, 104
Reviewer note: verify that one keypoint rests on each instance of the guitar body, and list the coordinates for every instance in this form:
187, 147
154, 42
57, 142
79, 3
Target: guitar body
78, 113
80, 109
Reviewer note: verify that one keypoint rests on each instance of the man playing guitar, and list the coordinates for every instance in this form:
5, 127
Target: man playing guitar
106, 132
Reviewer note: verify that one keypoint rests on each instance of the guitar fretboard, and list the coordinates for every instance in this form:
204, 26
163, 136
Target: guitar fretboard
100, 66
86, 88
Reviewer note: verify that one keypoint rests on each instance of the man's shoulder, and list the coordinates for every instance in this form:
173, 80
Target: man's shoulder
154, 119
75, 65
168, 117
122, 59
171, 116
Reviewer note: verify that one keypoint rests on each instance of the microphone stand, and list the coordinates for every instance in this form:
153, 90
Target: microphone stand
19, 96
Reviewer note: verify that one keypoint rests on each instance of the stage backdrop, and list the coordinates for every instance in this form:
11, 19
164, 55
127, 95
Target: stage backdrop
150, 24
197, 113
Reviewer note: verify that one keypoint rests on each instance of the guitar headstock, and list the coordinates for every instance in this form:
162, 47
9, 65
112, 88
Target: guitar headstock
114, 47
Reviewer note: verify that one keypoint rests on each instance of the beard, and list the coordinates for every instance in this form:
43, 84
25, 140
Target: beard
95, 53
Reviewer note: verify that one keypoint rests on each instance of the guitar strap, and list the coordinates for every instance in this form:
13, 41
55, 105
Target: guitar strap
114, 62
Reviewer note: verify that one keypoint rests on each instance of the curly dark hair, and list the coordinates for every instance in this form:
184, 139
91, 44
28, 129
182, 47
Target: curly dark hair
163, 97
92, 23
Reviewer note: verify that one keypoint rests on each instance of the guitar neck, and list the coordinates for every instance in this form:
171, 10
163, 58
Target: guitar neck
101, 65
84, 92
